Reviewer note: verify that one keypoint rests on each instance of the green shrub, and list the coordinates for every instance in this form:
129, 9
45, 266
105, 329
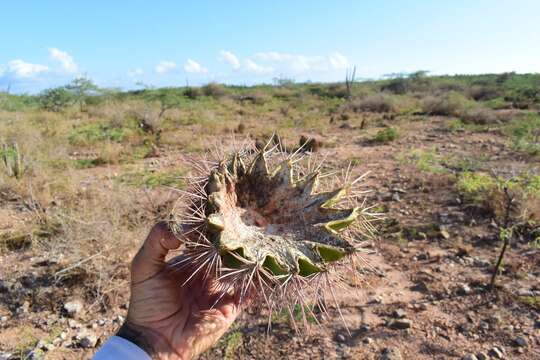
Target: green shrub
474, 187
428, 161
524, 97
56, 99
490, 193
497, 104
525, 133
386, 135
532, 301
532, 184
10, 102
455, 125
89, 163
92, 133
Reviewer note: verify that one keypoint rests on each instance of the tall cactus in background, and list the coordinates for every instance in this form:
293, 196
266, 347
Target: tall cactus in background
257, 222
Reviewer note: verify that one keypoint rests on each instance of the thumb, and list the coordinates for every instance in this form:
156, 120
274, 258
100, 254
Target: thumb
150, 258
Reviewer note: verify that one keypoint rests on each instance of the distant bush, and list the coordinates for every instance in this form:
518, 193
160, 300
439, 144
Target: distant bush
332, 91
284, 93
167, 99
337, 91
256, 97
386, 135
214, 90
524, 97
10, 102
398, 86
82, 89
447, 85
414, 82
192, 93
284, 82
56, 99
374, 103
484, 92
450, 104
504, 77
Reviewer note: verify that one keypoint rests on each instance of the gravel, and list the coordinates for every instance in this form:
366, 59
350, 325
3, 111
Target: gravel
73, 308
521, 341
391, 354
400, 324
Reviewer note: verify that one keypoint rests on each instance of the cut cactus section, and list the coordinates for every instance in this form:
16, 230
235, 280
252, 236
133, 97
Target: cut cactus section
260, 214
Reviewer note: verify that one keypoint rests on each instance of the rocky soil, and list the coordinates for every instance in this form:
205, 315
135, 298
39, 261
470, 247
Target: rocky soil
424, 291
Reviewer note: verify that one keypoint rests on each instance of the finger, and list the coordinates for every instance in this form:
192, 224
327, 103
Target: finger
229, 307
151, 256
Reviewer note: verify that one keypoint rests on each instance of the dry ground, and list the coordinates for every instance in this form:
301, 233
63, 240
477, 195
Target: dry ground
424, 294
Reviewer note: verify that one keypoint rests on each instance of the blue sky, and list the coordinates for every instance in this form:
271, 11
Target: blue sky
166, 43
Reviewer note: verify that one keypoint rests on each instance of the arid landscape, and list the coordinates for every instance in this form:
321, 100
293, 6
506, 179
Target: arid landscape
454, 167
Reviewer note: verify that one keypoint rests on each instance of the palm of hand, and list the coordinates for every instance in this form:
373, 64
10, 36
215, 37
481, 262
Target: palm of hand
179, 322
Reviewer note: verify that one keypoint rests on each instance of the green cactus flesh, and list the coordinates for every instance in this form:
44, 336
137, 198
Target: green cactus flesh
283, 224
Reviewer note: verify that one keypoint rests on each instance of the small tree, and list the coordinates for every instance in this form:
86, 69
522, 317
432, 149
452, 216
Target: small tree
81, 88
506, 230
167, 99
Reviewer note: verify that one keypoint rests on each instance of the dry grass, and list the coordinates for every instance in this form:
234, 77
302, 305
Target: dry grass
92, 184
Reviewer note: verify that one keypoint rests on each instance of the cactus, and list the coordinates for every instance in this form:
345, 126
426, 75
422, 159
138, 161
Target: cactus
264, 229
12, 160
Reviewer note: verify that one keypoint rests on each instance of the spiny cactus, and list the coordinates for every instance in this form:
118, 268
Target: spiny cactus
257, 222
12, 160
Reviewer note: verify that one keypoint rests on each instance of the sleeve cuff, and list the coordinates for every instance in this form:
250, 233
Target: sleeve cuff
120, 348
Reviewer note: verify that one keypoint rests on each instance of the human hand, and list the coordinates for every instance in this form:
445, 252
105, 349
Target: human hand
167, 320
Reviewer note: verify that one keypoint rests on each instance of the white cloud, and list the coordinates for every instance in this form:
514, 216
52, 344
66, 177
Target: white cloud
135, 72
165, 66
338, 61
229, 58
274, 56
297, 63
253, 67
294, 62
65, 60
23, 69
193, 67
